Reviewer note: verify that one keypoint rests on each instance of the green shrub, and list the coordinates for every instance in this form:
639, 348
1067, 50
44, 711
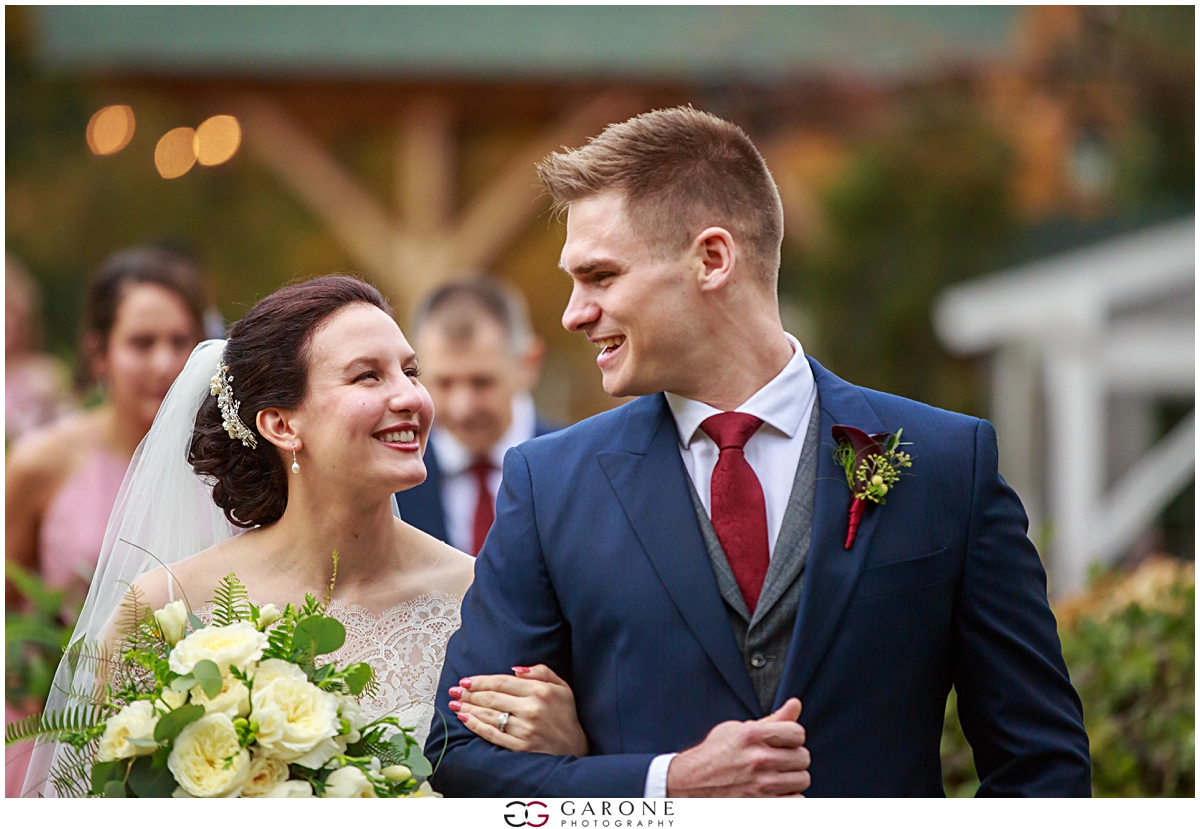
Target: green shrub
35, 633
1130, 646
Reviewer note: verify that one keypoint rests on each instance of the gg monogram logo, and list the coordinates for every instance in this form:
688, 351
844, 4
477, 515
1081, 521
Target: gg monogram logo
517, 814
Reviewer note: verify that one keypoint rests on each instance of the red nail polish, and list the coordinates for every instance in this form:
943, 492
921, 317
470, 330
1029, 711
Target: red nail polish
520, 669
456, 692
455, 705
462, 717
465, 682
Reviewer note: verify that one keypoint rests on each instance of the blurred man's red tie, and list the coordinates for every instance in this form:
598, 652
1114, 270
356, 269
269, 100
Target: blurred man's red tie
485, 509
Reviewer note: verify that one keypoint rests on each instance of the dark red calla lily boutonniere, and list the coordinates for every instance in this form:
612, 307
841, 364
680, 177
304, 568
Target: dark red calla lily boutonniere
872, 464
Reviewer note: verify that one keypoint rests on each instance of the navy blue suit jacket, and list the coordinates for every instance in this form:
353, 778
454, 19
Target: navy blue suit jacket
422, 506
596, 567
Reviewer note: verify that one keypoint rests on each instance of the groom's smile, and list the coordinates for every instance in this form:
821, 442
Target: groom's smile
608, 346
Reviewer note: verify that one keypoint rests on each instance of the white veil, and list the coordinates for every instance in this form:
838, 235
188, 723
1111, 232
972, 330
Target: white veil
163, 514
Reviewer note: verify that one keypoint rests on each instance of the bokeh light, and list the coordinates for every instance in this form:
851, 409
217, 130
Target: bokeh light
175, 153
217, 139
110, 129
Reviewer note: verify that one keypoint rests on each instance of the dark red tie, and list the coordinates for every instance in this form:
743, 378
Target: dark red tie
485, 510
739, 510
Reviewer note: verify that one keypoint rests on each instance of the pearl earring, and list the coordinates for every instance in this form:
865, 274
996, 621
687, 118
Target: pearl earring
295, 465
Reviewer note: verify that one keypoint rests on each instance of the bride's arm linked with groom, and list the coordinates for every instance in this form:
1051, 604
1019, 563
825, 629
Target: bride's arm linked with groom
755, 578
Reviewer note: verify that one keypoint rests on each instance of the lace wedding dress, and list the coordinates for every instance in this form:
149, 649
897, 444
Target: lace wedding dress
406, 646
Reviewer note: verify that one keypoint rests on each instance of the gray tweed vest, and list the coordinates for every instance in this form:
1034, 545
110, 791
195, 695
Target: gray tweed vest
764, 638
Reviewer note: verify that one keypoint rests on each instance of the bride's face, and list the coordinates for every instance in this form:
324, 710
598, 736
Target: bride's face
366, 416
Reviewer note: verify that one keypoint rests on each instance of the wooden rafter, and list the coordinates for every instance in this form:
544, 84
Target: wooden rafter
426, 244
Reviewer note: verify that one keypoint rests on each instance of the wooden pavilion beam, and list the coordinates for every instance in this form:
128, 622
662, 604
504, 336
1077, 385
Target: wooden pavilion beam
321, 183
426, 245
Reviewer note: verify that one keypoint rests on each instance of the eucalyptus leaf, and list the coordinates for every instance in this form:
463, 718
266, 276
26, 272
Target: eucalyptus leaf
102, 773
171, 724
147, 781
319, 634
183, 683
417, 762
195, 620
208, 675
357, 676
414, 759
114, 788
159, 759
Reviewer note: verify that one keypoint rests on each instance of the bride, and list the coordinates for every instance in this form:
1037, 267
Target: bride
275, 449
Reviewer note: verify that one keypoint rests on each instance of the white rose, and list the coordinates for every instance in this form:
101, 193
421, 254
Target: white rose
270, 670
292, 788
207, 760
348, 781
265, 775
268, 615
233, 700
135, 721
171, 699
172, 621
296, 721
237, 645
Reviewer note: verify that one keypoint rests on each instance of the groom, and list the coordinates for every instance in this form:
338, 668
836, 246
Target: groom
683, 561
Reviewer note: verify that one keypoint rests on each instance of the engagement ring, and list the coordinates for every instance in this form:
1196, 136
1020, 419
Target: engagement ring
503, 724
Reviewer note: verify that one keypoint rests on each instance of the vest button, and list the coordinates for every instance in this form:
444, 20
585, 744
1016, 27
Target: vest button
757, 659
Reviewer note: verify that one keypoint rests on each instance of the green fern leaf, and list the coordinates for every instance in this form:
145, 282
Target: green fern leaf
70, 725
72, 772
94, 656
132, 612
231, 602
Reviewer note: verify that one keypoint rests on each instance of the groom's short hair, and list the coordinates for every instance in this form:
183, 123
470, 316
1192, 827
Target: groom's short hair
680, 170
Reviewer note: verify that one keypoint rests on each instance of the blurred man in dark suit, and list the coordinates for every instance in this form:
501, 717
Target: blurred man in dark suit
480, 360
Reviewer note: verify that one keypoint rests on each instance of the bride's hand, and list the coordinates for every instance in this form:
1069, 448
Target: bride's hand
540, 708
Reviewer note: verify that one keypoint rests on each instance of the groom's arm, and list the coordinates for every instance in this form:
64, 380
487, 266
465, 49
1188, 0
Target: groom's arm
511, 616
1018, 710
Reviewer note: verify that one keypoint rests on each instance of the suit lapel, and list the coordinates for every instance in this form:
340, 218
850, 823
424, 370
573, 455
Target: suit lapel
832, 571
650, 482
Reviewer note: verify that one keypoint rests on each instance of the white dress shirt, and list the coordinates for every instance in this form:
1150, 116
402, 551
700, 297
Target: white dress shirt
784, 405
460, 491
773, 452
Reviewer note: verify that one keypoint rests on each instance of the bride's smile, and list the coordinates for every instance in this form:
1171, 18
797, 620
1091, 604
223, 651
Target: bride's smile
401, 437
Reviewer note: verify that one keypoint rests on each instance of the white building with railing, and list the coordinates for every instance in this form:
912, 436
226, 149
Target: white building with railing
1086, 346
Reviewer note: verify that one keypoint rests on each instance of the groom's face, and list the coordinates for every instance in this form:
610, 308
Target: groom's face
633, 301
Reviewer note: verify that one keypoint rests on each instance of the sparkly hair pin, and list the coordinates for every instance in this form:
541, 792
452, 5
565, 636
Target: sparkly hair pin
221, 387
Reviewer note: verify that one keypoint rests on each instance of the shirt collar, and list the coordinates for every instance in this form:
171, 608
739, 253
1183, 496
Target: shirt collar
775, 404
454, 458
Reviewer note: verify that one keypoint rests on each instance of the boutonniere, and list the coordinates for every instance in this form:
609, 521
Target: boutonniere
872, 464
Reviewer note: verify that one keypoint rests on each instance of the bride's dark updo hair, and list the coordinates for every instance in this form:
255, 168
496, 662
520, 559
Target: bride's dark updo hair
267, 353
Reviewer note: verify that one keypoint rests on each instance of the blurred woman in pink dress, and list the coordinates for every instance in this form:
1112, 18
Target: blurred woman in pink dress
144, 315
36, 385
